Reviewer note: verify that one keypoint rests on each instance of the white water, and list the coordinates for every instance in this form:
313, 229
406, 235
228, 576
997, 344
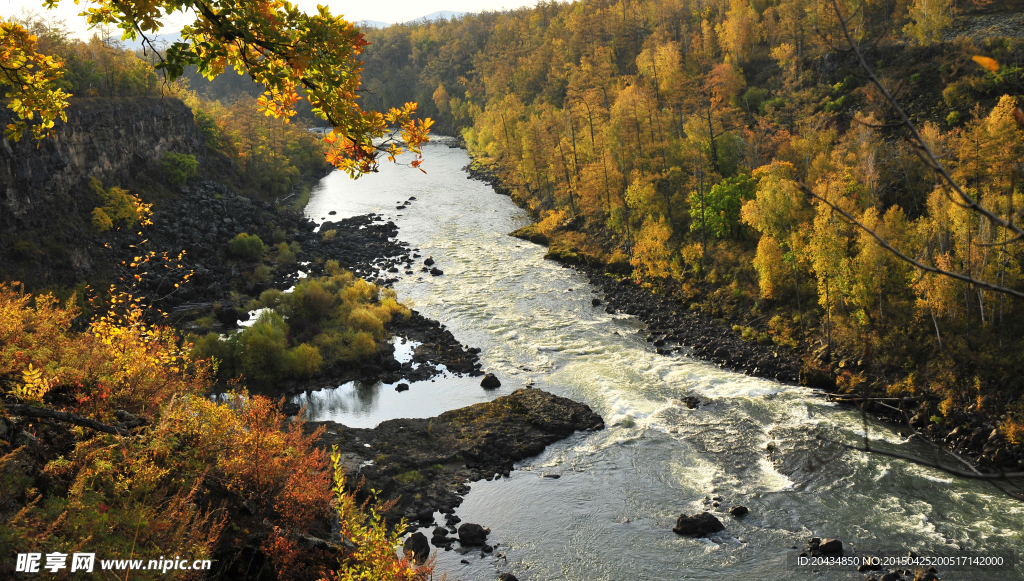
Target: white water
610, 514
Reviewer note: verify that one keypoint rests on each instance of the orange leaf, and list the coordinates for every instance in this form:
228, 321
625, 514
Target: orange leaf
988, 63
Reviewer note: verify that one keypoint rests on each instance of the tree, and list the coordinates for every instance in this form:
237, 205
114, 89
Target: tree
279, 46
31, 81
930, 19
719, 210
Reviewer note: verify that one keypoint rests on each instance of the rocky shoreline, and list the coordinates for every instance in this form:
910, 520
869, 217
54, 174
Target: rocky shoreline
670, 329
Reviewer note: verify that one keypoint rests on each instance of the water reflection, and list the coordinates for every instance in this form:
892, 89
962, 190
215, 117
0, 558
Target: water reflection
364, 405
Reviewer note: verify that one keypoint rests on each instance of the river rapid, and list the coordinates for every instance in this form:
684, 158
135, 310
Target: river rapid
609, 514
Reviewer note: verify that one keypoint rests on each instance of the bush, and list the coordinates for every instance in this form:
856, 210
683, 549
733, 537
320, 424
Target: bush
285, 254
219, 352
116, 205
304, 361
323, 321
247, 247
178, 167
262, 348
101, 221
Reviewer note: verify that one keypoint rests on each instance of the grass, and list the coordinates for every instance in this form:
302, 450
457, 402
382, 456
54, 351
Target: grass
411, 477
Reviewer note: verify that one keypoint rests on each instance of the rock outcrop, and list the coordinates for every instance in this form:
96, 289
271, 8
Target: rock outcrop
426, 463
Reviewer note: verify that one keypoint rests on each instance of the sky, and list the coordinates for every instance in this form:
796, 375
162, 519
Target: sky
381, 10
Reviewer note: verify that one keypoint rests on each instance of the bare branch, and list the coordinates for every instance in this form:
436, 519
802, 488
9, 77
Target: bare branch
881, 242
920, 143
34, 412
937, 466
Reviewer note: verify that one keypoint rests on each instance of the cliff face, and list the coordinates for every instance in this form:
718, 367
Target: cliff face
113, 140
45, 201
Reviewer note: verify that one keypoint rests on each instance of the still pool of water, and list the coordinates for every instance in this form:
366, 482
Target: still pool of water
609, 515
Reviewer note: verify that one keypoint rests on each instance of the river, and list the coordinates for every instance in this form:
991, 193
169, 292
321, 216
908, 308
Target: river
609, 514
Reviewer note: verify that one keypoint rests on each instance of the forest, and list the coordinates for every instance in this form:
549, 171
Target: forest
718, 153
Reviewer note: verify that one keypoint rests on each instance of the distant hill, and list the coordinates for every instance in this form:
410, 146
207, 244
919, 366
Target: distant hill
161, 41
440, 14
372, 24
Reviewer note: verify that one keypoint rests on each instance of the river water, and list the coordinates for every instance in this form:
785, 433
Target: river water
609, 514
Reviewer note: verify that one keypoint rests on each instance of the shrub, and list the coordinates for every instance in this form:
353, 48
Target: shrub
101, 221
285, 254
219, 352
329, 234
116, 205
304, 361
410, 477
262, 348
377, 557
178, 167
312, 301
171, 487
246, 246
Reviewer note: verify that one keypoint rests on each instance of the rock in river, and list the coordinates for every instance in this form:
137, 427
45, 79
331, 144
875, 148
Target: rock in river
471, 535
490, 381
470, 443
738, 511
416, 547
698, 525
831, 546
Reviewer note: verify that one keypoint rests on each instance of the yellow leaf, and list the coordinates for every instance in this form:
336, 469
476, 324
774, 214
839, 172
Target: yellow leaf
988, 63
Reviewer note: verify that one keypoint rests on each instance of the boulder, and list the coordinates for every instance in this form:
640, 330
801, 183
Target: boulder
831, 546
429, 261
595, 302
228, 316
436, 272
472, 535
699, 525
507, 577
402, 387
490, 381
425, 515
416, 547
738, 511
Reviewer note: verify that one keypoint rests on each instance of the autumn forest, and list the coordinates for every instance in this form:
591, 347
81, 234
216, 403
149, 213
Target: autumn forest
824, 195
721, 151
